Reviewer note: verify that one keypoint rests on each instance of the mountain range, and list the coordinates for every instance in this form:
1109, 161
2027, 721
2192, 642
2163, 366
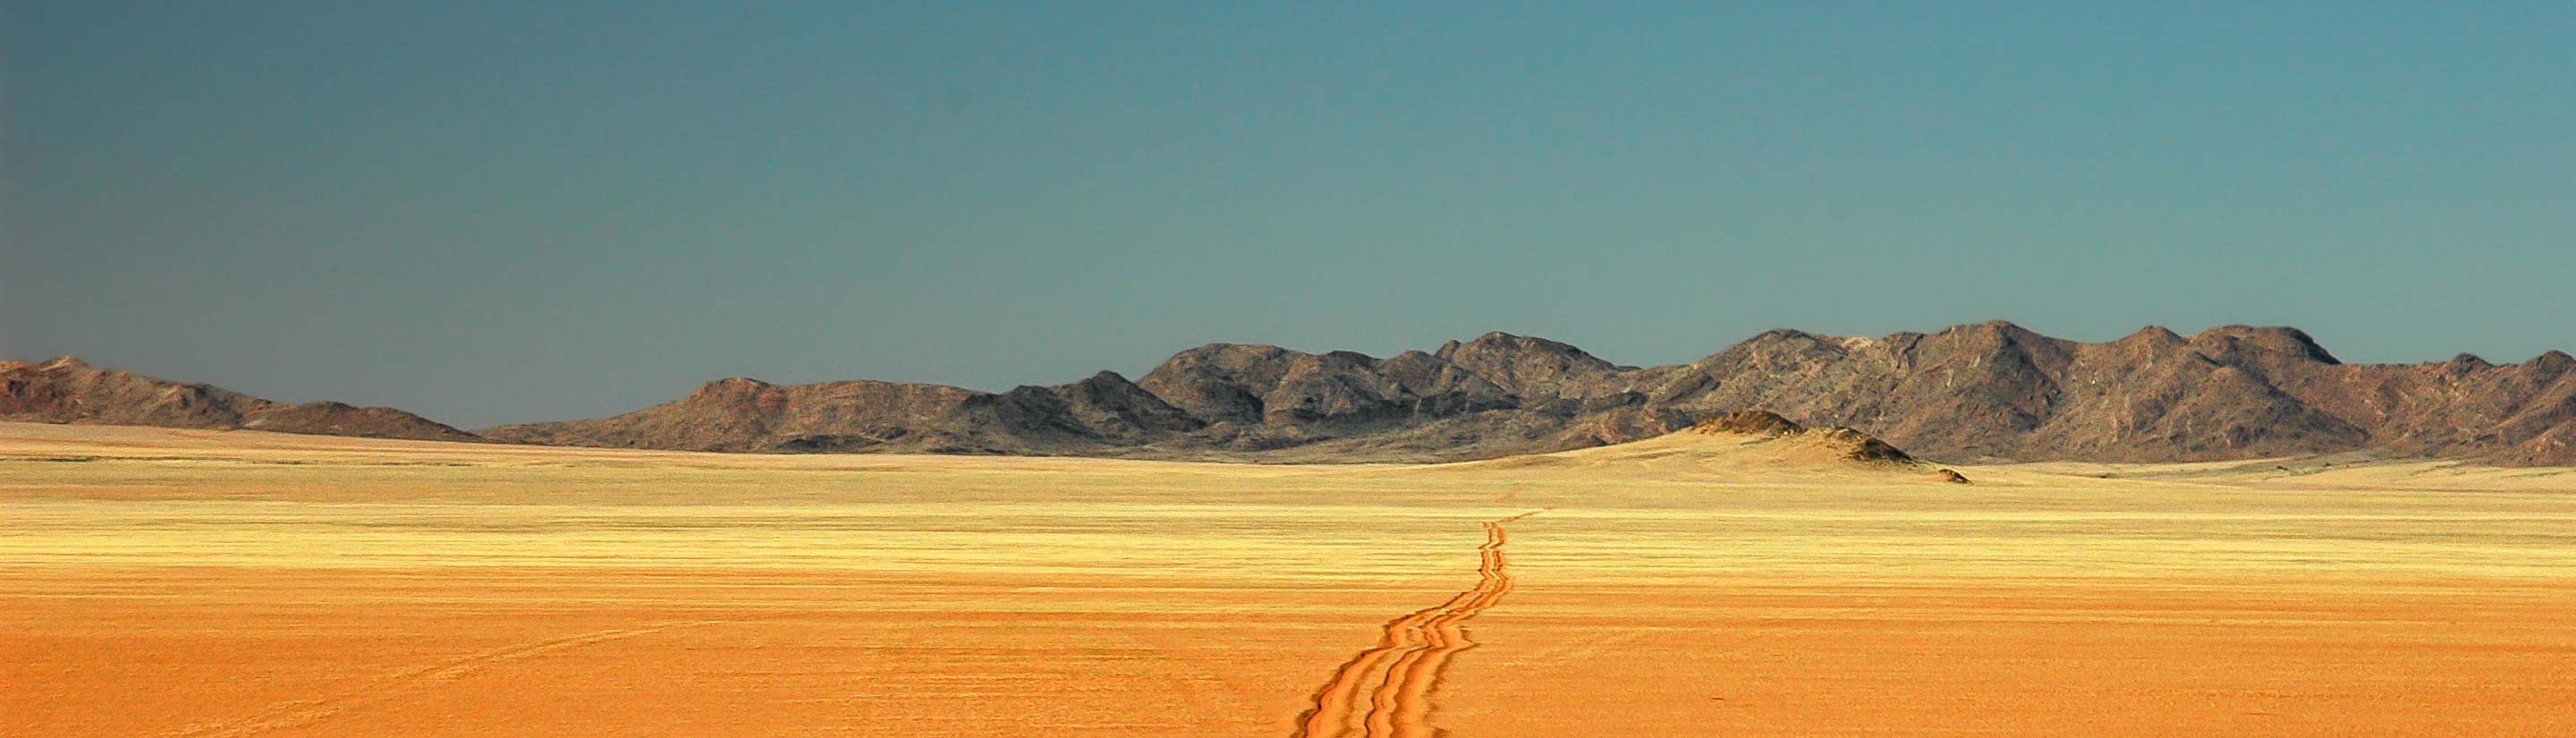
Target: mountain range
67, 390
1976, 393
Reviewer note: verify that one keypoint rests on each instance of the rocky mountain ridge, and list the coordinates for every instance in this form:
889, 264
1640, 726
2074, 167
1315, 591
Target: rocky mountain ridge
67, 390
1986, 392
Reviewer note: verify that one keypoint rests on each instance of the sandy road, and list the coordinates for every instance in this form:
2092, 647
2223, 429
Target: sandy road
1398, 674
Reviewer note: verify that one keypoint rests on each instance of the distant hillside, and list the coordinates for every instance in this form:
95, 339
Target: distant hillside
1992, 391
1746, 444
65, 390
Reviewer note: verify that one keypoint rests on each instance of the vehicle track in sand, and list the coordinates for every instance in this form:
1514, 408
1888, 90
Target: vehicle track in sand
297, 713
1385, 691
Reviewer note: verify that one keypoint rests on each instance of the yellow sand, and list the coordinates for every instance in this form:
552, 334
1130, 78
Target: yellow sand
181, 583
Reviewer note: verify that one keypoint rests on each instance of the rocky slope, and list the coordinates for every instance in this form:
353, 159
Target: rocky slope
65, 390
1992, 391
1837, 443
1746, 445
1104, 411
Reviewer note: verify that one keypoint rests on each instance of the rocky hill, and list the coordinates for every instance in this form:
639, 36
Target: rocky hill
1992, 391
1105, 411
1746, 445
65, 390
1836, 443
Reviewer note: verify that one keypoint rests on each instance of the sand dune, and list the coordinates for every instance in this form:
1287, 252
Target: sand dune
207, 583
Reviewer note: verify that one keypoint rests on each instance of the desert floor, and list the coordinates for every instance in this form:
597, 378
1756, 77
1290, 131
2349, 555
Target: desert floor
180, 583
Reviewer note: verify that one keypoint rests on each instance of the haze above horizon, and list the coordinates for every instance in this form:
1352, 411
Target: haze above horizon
490, 213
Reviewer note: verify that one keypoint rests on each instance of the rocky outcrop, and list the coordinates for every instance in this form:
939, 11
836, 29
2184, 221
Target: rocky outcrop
1839, 443
67, 390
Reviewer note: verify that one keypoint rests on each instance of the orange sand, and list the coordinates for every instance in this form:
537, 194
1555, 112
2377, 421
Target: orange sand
176, 584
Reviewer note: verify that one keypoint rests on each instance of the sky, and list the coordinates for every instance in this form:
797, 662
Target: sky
496, 212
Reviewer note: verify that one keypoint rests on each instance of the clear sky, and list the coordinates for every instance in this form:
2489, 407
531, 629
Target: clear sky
488, 212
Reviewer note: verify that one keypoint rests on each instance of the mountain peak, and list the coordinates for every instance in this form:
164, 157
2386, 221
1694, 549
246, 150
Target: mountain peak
2227, 342
1991, 328
2011, 332
1529, 366
2154, 334
2554, 360
1782, 334
1501, 341
732, 385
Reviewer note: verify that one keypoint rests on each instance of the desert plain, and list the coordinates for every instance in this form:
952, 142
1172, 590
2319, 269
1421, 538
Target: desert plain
199, 584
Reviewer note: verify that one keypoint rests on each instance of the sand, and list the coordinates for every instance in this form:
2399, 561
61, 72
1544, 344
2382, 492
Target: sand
183, 583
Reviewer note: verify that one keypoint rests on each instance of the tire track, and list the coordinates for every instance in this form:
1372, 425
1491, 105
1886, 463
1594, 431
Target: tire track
296, 713
1394, 679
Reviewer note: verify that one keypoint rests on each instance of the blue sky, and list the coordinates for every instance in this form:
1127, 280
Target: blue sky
487, 212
